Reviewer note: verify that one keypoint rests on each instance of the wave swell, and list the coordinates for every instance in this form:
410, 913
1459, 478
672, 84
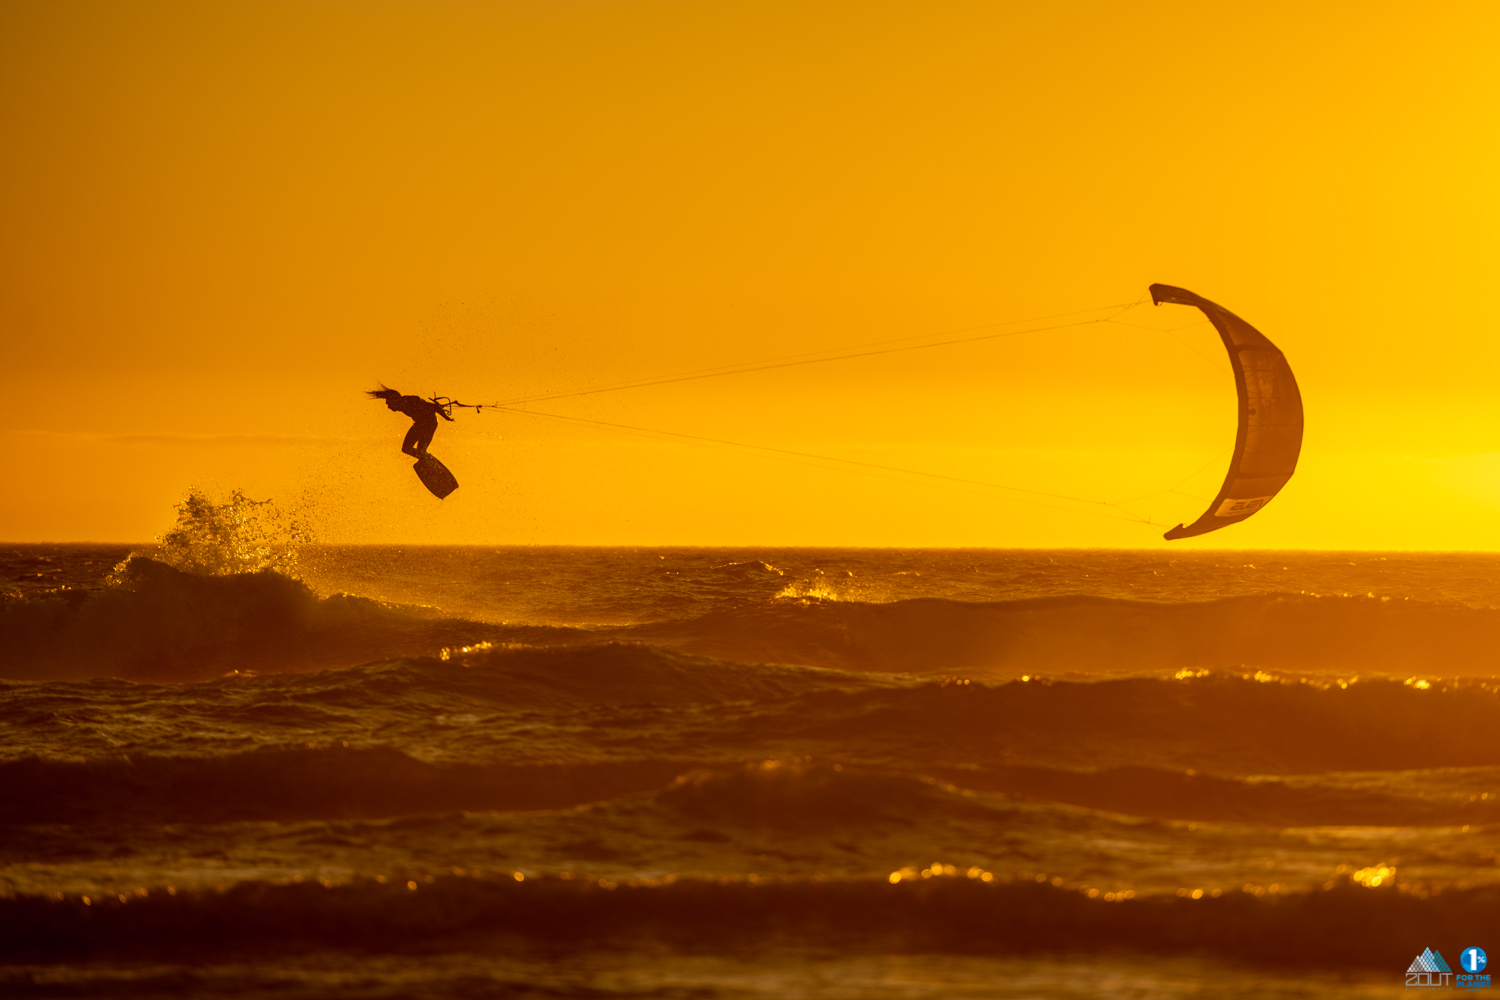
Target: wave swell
1344, 926
1084, 633
298, 784
162, 624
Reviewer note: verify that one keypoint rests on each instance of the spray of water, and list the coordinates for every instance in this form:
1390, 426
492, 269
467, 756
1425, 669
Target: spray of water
235, 535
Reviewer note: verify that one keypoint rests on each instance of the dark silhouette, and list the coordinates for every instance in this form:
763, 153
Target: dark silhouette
423, 413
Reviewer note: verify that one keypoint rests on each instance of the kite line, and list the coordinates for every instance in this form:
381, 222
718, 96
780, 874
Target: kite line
1112, 510
853, 465
855, 351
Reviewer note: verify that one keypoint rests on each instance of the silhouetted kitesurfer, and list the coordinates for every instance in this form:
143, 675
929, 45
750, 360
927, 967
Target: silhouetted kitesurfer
423, 415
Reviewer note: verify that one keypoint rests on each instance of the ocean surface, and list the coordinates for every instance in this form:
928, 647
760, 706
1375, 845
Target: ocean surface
585, 772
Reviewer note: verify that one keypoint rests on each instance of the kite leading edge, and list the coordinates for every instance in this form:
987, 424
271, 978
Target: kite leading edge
1270, 428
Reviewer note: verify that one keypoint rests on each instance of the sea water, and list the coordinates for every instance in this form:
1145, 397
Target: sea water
394, 771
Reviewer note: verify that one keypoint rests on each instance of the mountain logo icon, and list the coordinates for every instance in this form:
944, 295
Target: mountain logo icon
1429, 970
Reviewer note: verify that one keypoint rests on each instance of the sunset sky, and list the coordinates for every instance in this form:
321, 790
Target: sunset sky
221, 222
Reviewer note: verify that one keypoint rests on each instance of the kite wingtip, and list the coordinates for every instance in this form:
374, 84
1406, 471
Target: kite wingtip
1175, 534
1177, 296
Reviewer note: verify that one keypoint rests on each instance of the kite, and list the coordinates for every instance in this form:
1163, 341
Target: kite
1270, 428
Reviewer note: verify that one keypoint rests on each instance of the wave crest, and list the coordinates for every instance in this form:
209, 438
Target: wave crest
159, 623
792, 796
1343, 927
237, 535
1096, 634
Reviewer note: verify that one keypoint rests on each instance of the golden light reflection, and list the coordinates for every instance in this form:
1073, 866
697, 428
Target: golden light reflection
940, 869
1374, 876
449, 653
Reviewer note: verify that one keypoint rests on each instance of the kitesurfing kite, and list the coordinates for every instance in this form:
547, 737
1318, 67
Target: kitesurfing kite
1270, 429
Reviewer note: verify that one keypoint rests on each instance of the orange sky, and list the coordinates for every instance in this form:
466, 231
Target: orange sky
220, 222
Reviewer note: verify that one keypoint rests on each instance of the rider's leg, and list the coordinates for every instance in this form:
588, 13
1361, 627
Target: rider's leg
419, 437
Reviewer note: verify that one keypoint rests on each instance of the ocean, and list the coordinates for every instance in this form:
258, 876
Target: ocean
391, 771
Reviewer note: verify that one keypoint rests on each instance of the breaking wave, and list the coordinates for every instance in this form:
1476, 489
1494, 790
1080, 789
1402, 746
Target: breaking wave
157, 623
954, 915
238, 535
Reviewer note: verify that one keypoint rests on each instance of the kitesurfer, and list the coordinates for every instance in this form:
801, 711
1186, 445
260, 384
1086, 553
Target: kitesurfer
423, 413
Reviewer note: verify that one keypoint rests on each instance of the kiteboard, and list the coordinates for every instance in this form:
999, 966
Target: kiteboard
435, 476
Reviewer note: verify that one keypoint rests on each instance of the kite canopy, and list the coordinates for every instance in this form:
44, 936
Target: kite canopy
1270, 432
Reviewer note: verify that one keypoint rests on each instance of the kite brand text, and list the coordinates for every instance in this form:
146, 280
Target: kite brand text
1234, 508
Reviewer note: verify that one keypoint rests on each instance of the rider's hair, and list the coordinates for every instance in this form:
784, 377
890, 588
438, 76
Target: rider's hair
382, 392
